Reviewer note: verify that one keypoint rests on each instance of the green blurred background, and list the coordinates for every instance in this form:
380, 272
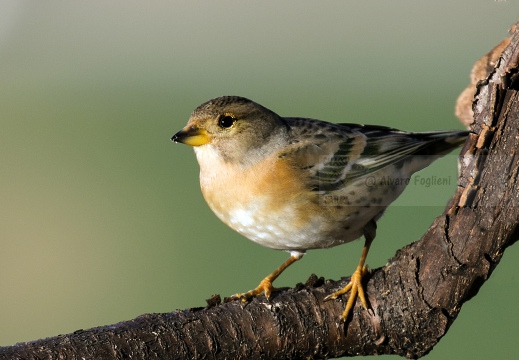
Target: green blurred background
101, 216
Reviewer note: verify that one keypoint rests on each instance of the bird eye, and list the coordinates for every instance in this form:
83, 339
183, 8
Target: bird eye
226, 121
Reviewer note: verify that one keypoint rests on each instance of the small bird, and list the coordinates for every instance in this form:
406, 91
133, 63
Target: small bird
297, 184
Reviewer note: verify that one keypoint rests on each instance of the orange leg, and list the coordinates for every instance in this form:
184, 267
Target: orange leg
266, 284
355, 284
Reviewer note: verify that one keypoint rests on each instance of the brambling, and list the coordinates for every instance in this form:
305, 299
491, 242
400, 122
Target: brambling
297, 184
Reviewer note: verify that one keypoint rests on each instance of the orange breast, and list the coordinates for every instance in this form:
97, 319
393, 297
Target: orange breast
267, 188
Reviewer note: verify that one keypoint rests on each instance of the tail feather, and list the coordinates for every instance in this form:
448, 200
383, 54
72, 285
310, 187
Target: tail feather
440, 142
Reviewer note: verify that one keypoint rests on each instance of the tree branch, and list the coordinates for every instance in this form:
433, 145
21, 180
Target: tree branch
415, 297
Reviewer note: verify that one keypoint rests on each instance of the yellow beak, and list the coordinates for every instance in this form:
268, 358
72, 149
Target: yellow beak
192, 136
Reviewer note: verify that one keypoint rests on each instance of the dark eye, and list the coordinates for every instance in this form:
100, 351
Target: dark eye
226, 121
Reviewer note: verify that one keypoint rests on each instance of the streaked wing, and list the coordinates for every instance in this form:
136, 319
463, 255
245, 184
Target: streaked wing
335, 154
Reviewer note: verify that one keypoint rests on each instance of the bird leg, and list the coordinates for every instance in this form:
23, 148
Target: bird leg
266, 284
355, 284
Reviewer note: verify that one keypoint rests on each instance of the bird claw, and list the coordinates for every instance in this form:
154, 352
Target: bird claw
265, 286
355, 288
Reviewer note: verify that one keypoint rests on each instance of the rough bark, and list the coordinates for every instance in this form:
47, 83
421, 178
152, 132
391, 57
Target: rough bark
414, 298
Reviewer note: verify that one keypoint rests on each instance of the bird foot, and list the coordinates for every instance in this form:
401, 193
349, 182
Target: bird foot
355, 288
265, 286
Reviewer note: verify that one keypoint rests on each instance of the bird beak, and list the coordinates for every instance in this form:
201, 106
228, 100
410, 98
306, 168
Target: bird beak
192, 136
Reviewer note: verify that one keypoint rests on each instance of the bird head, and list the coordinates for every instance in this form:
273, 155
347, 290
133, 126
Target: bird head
235, 126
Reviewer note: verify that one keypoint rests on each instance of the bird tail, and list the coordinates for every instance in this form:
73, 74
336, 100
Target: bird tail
439, 143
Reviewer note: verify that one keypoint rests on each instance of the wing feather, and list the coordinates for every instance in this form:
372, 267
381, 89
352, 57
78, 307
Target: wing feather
335, 154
